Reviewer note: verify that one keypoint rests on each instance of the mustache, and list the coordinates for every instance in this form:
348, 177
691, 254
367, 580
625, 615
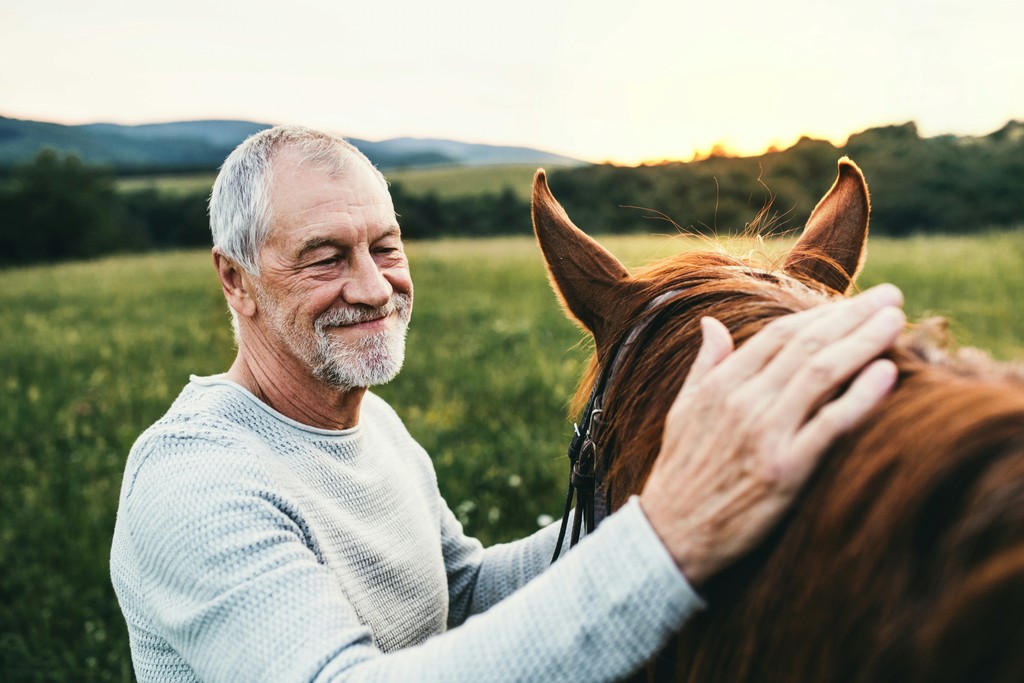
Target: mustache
353, 315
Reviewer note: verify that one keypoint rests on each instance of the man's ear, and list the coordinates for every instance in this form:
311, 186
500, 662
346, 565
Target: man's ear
235, 283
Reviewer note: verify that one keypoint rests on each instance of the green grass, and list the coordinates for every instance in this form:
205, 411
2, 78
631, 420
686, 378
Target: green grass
189, 183
976, 283
92, 353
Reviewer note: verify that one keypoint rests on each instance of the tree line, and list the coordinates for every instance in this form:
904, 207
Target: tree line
944, 184
56, 207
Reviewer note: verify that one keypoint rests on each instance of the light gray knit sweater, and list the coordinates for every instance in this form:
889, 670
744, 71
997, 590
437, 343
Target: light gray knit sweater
250, 547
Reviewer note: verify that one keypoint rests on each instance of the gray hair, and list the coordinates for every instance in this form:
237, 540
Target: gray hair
240, 201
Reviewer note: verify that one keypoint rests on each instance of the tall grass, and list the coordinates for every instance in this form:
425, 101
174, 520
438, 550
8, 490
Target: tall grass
90, 354
977, 283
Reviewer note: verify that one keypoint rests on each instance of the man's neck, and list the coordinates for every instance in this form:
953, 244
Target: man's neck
294, 393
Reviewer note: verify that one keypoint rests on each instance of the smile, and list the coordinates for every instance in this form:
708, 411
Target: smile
374, 324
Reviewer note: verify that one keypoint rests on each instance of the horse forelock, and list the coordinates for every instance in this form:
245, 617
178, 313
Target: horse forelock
743, 295
912, 530
692, 284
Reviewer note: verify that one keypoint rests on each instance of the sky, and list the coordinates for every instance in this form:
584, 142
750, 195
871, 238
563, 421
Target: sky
625, 81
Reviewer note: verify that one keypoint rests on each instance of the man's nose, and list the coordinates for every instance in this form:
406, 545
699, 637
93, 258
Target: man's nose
367, 284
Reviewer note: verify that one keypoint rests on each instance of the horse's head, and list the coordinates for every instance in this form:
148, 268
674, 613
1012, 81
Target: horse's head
911, 534
661, 306
595, 286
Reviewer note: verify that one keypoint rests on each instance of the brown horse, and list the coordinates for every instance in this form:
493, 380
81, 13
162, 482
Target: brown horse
903, 557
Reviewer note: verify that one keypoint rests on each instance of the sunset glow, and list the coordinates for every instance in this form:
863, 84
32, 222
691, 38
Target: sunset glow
647, 80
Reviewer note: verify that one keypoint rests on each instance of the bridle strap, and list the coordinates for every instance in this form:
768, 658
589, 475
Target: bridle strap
586, 466
582, 474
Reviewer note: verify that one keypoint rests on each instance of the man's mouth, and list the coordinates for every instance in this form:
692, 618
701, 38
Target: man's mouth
364, 323
365, 318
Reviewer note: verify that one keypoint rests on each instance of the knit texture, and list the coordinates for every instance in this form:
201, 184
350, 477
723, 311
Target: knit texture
250, 547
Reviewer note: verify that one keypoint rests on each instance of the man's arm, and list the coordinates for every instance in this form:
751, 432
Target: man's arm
479, 578
230, 582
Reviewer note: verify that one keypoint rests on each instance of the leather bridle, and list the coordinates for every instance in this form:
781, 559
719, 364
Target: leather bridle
587, 464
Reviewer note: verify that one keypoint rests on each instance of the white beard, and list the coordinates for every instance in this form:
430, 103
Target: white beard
343, 365
370, 361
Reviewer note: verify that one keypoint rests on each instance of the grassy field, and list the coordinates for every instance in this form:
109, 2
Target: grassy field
457, 181
92, 353
446, 181
190, 183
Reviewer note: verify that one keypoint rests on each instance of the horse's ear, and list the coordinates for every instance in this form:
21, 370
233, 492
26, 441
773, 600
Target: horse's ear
832, 247
586, 277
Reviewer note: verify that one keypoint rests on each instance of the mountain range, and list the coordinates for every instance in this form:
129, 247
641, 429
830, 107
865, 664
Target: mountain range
203, 145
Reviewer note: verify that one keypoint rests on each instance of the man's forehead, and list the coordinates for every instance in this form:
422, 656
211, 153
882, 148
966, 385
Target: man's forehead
298, 186
291, 162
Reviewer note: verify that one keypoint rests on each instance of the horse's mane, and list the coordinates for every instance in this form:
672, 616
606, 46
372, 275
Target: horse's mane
903, 559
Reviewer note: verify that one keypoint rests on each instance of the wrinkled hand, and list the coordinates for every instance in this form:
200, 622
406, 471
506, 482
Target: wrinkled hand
748, 426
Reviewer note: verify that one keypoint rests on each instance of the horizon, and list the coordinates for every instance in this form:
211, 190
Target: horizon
646, 83
716, 150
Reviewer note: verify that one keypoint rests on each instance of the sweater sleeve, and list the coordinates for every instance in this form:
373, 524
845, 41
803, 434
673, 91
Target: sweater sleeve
479, 578
229, 581
597, 614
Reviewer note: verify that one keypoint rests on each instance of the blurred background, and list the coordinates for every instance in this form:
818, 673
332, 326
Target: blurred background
658, 121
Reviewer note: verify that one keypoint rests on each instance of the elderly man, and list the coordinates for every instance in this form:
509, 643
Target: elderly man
280, 524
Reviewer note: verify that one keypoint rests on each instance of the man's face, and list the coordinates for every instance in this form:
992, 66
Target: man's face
334, 293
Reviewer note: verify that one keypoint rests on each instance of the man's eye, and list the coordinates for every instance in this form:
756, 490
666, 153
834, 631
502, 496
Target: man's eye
326, 262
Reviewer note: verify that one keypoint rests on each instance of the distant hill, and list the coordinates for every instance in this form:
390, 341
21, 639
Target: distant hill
202, 145
109, 144
459, 153
217, 133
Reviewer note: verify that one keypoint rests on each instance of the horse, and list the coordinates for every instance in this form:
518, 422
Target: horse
902, 558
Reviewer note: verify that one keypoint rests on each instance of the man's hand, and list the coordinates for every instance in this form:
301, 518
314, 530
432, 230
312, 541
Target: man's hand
749, 426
